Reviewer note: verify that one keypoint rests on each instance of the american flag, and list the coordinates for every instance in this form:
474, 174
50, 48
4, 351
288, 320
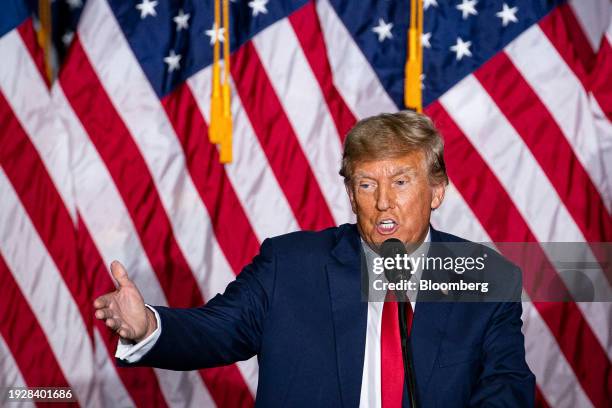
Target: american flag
112, 161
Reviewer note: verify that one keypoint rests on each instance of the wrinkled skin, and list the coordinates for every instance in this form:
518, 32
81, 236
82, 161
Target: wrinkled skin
393, 198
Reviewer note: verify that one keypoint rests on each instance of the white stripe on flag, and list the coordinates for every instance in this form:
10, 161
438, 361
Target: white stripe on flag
455, 217
28, 96
115, 236
250, 174
565, 98
300, 95
554, 375
594, 17
11, 376
41, 283
353, 75
112, 390
506, 154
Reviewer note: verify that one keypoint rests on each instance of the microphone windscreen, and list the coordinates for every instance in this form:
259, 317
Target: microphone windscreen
390, 249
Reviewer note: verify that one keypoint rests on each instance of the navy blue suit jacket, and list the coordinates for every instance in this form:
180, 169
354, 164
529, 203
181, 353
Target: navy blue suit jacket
298, 307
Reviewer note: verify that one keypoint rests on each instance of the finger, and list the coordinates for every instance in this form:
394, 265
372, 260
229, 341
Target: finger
120, 274
102, 302
126, 332
112, 324
104, 314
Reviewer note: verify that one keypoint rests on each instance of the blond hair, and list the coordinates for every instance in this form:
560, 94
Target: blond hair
391, 135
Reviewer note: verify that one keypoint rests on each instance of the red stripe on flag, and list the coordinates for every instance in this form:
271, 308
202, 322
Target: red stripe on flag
44, 206
140, 382
24, 336
528, 115
230, 223
540, 401
305, 22
28, 35
567, 36
601, 84
137, 188
279, 141
503, 222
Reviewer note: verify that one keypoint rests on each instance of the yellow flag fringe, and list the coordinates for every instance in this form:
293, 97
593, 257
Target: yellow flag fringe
216, 101
414, 64
226, 141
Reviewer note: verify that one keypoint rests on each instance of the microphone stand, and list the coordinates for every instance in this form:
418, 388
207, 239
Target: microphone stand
406, 354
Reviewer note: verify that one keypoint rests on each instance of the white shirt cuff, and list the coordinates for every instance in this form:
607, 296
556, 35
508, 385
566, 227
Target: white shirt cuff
134, 352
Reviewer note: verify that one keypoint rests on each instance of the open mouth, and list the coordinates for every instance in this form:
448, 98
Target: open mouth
386, 226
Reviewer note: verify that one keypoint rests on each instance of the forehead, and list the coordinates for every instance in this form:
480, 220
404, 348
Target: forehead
413, 162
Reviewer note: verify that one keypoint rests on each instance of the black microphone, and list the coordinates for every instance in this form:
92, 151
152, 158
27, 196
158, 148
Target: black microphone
391, 248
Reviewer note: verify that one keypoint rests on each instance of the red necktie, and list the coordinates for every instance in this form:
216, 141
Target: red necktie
392, 363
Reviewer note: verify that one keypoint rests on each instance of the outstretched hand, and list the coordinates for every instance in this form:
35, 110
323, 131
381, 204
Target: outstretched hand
123, 310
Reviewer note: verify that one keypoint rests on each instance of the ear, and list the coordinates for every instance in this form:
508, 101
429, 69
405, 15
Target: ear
438, 195
349, 190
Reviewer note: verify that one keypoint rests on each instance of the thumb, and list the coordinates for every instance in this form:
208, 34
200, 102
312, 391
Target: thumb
120, 274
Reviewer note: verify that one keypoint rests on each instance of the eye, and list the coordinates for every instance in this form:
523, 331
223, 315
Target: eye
364, 185
401, 182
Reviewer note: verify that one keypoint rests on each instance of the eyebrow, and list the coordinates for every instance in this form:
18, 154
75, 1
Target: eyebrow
402, 170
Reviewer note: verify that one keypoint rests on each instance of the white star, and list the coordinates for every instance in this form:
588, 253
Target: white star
258, 6
181, 20
508, 14
425, 37
147, 8
423, 81
467, 7
67, 38
173, 60
74, 4
429, 3
214, 34
462, 48
383, 30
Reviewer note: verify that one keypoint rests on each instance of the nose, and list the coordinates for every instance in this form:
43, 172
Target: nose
385, 198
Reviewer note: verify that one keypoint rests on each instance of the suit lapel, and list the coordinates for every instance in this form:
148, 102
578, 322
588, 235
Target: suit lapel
428, 329
349, 312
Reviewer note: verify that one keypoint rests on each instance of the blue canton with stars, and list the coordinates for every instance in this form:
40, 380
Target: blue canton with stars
172, 39
475, 26
157, 40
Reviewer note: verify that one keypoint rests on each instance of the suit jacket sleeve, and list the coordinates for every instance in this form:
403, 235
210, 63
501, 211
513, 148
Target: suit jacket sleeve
225, 330
505, 380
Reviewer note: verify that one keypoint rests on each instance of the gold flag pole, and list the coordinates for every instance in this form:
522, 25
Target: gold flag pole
414, 64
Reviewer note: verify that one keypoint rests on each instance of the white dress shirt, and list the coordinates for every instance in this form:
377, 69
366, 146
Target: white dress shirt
371, 377
371, 390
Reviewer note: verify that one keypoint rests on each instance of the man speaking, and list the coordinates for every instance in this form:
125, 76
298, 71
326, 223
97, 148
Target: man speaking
298, 306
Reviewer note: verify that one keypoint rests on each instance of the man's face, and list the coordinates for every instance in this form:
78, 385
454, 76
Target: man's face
393, 198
